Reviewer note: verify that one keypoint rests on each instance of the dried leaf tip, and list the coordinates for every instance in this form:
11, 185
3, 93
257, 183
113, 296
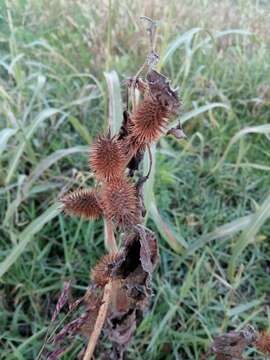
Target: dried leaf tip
107, 159
83, 203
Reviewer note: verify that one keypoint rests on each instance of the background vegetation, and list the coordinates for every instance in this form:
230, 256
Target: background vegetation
212, 191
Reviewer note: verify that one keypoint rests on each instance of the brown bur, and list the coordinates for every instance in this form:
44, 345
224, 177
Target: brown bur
83, 203
230, 346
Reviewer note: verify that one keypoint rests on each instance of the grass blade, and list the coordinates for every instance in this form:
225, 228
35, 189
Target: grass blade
50, 160
258, 219
27, 235
176, 43
221, 232
176, 242
261, 129
239, 309
200, 110
81, 129
221, 34
5, 134
43, 115
148, 189
115, 101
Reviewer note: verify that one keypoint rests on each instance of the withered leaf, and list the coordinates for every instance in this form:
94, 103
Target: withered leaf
161, 90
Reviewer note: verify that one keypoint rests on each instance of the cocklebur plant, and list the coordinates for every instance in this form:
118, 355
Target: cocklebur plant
120, 286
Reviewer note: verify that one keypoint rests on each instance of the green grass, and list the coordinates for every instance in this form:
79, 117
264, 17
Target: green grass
211, 191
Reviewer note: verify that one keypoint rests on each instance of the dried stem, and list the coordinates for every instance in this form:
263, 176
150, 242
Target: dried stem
150, 161
108, 290
133, 86
110, 242
99, 322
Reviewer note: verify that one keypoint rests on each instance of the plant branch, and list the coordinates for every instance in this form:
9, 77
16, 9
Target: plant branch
110, 241
99, 322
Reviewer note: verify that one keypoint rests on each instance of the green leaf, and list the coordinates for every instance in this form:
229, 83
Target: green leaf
27, 235
5, 134
176, 242
43, 115
176, 43
261, 129
81, 129
258, 219
243, 307
224, 231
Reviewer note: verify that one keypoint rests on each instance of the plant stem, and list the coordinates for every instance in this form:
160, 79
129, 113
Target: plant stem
99, 322
110, 242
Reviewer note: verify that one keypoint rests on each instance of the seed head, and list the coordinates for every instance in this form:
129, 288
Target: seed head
148, 122
107, 159
263, 343
82, 203
120, 203
103, 271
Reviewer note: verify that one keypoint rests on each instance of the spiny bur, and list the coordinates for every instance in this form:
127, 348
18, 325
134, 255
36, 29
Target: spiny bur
102, 272
83, 203
148, 122
107, 159
263, 342
120, 203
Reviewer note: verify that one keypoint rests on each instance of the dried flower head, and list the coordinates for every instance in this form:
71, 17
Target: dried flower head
148, 122
262, 342
82, 203
120, 203
107, 159
103, 271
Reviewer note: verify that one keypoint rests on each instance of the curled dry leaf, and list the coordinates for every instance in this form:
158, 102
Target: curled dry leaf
232, 344
161, 91
177, 132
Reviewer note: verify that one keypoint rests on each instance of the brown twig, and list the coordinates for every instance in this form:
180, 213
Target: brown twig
110, 241
150, 162
99, 322
151, 60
